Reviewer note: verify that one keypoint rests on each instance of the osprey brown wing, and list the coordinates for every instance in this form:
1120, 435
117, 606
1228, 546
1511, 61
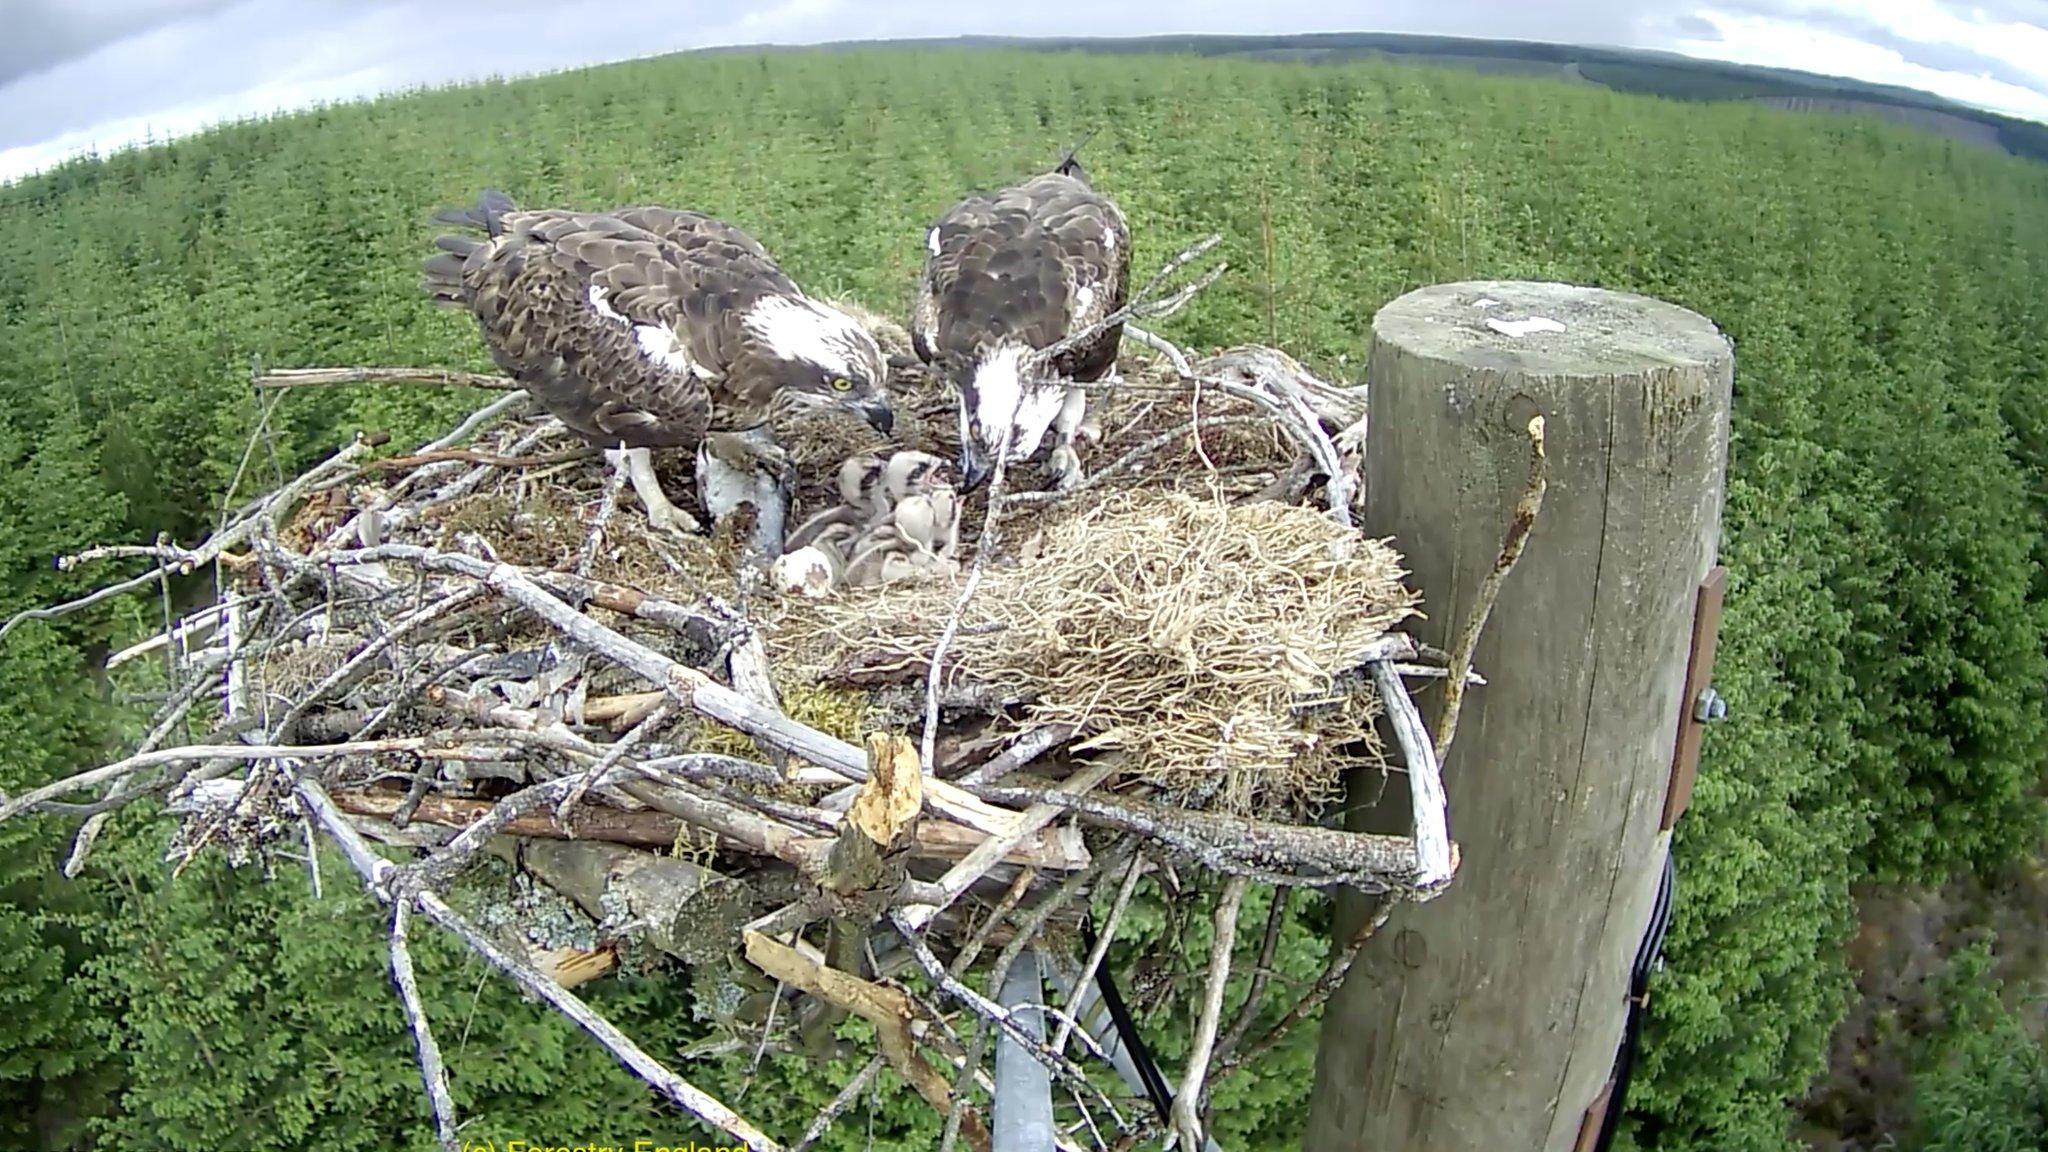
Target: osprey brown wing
694, 231
572, 306
621, 332
1030, 264
722, 273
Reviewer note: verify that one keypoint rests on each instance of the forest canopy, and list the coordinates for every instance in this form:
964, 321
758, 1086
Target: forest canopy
1882, 654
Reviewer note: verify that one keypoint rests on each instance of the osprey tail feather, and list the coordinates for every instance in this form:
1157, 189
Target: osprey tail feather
487, 215
443, 279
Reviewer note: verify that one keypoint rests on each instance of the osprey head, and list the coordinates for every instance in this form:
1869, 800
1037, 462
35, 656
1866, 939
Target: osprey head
819, 357
1006, 405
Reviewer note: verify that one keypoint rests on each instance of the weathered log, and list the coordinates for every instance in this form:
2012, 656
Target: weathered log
1493, 1020
689, 912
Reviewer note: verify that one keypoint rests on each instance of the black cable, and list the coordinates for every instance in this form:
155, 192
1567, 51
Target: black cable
1127, 1029
1638, 1004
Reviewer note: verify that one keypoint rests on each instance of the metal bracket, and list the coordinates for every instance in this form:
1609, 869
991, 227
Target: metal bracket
1703, 705
1592, 1127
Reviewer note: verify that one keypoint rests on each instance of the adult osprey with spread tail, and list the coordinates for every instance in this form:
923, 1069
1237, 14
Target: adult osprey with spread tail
645, 328
1007, 276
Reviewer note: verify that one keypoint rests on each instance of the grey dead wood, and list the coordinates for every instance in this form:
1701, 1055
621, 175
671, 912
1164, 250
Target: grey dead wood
383, 879
688, 912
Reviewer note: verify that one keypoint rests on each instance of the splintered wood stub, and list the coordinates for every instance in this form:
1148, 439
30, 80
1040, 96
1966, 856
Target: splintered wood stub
888, 802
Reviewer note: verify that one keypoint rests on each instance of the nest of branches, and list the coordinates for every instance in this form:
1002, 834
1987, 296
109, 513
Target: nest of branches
1216, 645
852, 805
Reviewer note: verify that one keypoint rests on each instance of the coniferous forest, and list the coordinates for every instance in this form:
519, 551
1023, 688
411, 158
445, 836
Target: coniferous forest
1883, 653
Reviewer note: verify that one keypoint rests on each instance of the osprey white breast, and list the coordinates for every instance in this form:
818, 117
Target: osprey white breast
1005, 400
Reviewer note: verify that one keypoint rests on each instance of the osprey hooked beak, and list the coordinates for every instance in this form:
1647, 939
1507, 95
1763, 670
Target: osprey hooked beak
975, 466
1006, 407
877, 413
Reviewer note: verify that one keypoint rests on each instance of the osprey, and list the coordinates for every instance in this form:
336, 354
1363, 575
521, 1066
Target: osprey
1006, 278
645, 328
895, 519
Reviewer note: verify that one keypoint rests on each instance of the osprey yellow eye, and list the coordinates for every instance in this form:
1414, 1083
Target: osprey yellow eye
841, 384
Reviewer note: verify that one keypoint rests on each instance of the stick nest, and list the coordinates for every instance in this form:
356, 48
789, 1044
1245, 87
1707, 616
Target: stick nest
481, 649
1214, 644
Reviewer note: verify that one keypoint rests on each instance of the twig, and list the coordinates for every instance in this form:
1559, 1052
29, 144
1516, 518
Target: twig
1262, 974
183, 561
35, 798
441, 866
971, 950
989, 1010
1186, 1103
465, 455
1130, 460
595, 539
690, 686
379, 875
960, 877
1517, 535
1325, 986
124, 789
1141, 305
1056, 850
358, 665
1282, 394
1265, 851
982, 549
89, 832
1028, 747
317, 377
1101, 949
58, 611
182, 632
476, 475
616, 753
1428, 805
1186, 371
256, 435
839, 1104
432, 1070
1163, 346
476, 421
888, 1009
1432, 672
1020, 939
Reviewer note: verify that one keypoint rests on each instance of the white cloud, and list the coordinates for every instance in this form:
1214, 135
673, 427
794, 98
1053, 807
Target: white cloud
101, 74
1781, 42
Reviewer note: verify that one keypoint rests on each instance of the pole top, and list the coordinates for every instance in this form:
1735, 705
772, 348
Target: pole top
1545, 328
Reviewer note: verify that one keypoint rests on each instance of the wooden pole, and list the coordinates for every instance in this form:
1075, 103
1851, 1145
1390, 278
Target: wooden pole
1488, 1019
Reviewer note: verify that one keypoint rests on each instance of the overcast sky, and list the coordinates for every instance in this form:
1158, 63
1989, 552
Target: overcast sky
101, 73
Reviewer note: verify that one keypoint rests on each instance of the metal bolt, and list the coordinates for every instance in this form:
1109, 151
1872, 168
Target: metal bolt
1710, 706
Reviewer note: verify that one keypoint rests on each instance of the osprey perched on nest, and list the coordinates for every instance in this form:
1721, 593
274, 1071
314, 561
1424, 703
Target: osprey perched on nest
645, 328
1006, 277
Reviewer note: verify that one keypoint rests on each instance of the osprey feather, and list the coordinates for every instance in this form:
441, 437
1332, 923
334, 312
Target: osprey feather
645, 328
1007, 276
